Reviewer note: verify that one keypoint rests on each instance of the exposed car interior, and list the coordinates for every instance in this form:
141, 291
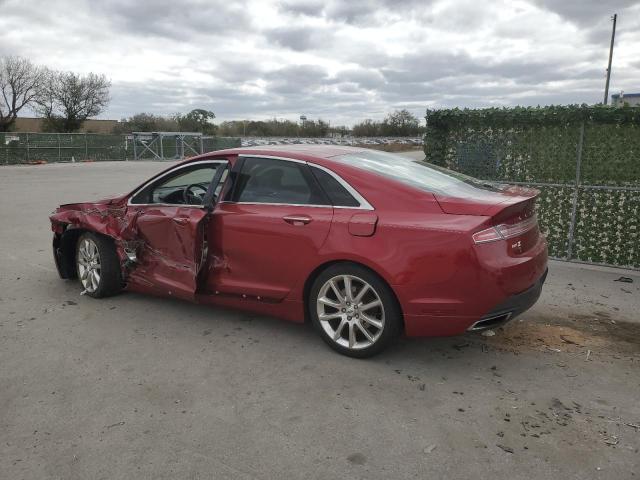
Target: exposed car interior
183, 187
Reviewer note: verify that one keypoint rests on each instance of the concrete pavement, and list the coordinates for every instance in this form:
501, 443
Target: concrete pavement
141, 387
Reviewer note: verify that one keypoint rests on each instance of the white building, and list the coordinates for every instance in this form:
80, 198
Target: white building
619, 99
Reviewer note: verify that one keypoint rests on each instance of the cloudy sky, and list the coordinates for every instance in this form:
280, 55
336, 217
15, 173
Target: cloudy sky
338, 60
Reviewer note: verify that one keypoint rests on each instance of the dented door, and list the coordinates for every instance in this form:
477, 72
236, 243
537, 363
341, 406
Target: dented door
170, 237
171, 240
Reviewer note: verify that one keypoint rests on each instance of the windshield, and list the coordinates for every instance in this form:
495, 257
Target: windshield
422, 175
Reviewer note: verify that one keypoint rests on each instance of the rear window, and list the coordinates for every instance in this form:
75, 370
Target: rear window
422, 175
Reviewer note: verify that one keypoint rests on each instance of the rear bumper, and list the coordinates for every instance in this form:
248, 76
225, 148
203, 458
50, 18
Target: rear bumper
479, 283
511, 307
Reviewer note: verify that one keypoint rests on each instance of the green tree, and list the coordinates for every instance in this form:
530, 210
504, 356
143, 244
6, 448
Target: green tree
367, 128
274, 128
400, 123
197, 120
146, 122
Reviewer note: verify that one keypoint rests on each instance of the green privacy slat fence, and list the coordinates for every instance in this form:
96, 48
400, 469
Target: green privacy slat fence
21, 148
584, 160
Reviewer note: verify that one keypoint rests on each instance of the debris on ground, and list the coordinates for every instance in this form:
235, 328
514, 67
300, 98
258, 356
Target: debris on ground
488, 333
624, 280
115, 425
565, 339
430, 448
505, 448
586, 335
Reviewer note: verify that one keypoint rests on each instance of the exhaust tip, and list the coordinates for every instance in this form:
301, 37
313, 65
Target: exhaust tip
490, 322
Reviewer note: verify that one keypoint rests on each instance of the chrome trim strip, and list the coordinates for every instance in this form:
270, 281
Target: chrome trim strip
364, 204
282, 204
177, 205
521, 227
272, 157
153, 180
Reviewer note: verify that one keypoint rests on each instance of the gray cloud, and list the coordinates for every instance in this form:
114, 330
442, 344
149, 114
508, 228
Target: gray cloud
586, 13
178, 20
299, 38
340, 60
369, 79
302, 7
297, 79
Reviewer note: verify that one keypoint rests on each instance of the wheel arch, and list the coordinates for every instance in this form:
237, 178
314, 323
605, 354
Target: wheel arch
322, 267
64, 248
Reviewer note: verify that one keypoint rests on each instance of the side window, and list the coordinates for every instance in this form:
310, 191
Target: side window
265, 180
339, 196
185, 186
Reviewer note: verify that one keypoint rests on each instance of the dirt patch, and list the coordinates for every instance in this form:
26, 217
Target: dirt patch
576, 334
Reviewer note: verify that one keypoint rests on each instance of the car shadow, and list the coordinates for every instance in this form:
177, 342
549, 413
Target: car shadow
211, 321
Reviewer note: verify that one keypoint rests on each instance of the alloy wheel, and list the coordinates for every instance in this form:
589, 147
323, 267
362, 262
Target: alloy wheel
89, 265
350, 312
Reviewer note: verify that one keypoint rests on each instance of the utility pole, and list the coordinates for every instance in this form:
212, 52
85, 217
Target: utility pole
613, 36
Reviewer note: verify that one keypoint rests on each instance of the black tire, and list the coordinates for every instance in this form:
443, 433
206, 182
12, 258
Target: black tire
391, 313
110, 281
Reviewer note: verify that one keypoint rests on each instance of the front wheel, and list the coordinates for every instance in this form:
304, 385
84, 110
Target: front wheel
354, 310
97, 265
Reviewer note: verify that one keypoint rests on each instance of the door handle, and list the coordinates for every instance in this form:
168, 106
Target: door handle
180, 220
297, 219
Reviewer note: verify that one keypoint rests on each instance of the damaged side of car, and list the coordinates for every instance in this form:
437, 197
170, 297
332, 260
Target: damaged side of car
107, 218
159, 249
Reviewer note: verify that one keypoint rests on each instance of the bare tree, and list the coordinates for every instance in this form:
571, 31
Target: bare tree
20, 81
67, 99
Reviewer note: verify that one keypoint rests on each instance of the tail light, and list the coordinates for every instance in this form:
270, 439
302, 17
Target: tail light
504, 231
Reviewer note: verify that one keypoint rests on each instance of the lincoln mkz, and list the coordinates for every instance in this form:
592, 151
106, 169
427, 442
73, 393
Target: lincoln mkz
364, 245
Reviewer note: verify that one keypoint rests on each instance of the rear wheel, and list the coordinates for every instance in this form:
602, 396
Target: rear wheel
97, 265
354, 310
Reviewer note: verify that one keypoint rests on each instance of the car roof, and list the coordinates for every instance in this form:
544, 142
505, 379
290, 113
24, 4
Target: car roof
290, 151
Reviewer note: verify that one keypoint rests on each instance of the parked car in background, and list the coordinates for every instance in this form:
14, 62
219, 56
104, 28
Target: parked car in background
362, 244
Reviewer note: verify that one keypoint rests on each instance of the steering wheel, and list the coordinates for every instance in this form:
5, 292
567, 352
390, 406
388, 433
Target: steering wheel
191, 196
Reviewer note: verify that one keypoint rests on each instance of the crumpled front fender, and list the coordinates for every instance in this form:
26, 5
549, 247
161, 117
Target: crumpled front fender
107, 217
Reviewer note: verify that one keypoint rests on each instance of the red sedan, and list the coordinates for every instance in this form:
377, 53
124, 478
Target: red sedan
361, 243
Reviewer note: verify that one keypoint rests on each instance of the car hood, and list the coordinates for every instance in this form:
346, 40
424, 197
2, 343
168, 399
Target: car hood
115, 200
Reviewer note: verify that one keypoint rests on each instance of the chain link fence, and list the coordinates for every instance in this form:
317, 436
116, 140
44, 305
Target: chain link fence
588, 174
28, 148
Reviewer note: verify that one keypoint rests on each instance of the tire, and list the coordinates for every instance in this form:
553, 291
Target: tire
359, 325
97, 265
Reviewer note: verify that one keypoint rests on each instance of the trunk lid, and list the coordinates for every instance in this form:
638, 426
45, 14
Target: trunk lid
512, 218
495, 201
